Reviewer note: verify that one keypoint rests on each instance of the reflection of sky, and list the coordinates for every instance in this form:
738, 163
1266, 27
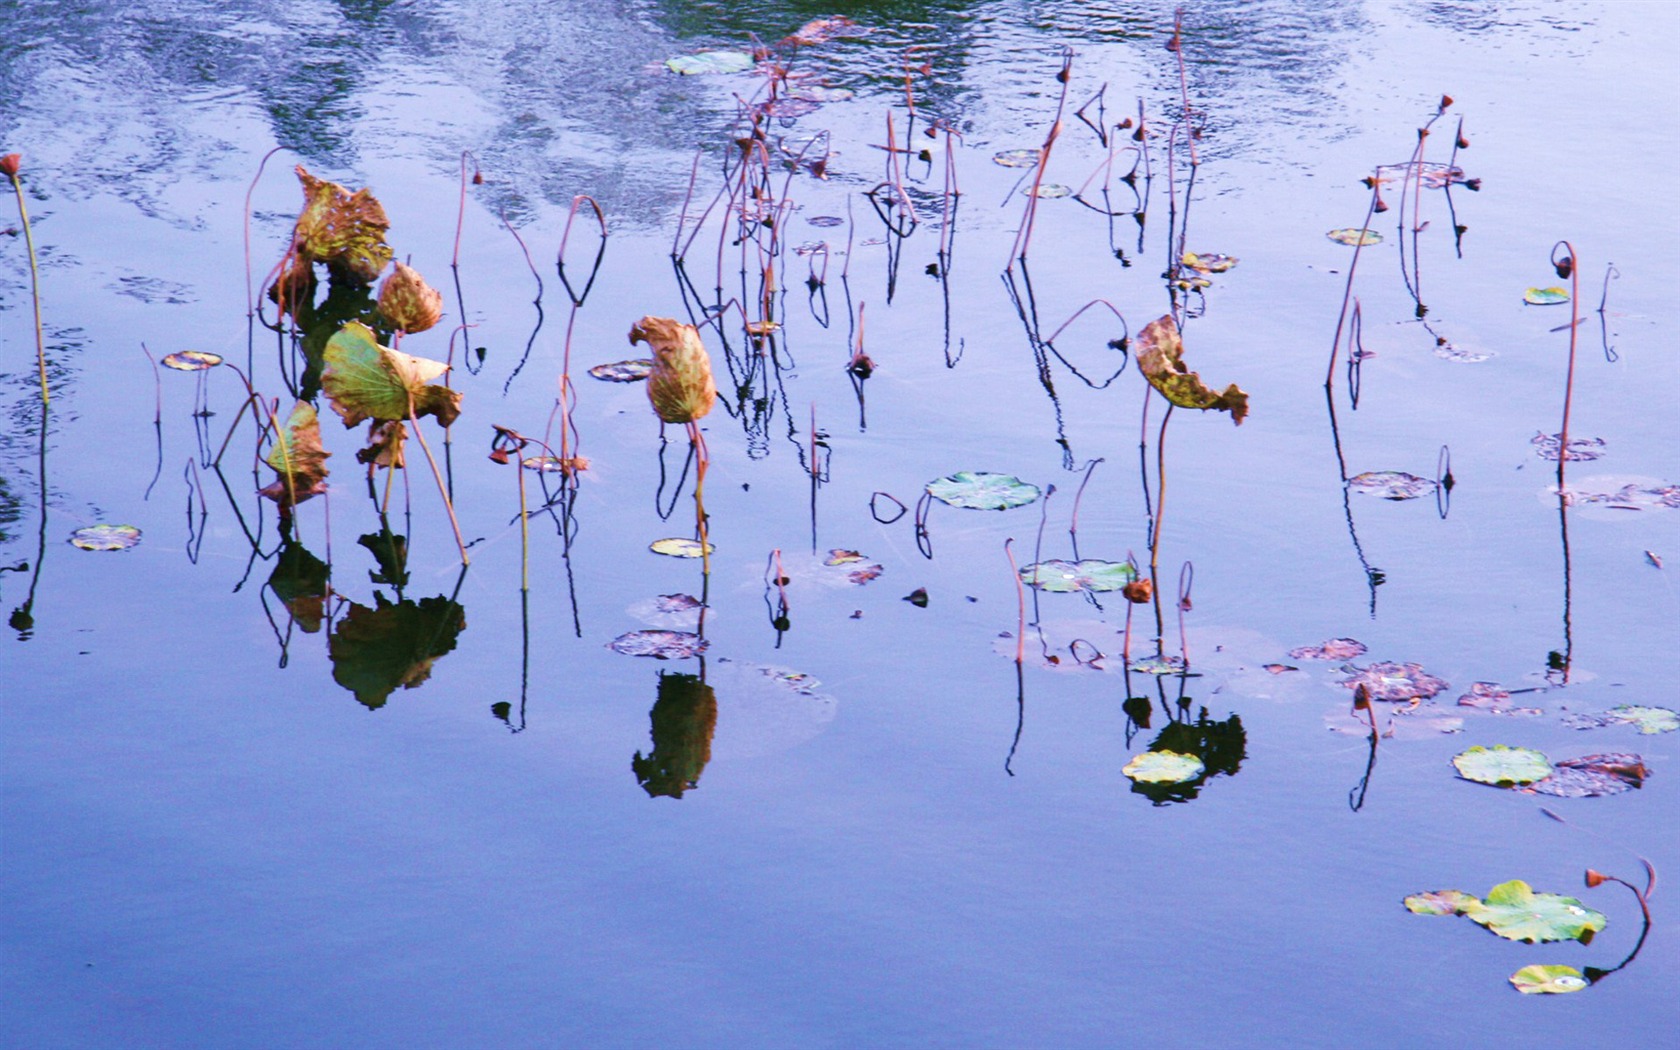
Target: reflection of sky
567, 98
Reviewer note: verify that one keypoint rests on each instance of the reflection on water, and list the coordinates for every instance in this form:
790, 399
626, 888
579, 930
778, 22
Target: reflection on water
684, 717
393, 644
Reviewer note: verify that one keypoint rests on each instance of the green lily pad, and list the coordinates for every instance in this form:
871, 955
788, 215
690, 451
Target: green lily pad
1548, 980
1164, 767
1648, 720
191, 360
677, 547
982, 490
1352, 236
1209, 262
1066, 577
1016, 158
1515, 912
661, 645
633, 371
1391, 484
1546, 296
710, 62
105, 537
369, 381
1440, 902
1502, 766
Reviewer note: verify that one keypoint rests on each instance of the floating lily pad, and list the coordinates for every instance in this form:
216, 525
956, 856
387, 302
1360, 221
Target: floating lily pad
1440, 902
1278, 668
1594, 776
1164, 767
633, 371
1491, 696
1648, 720
661, 645
707, 62
1209, 262
1546, 296
1066, 577
1161, 665
1333, 649
1548, 980
1618, 492
1016, 158
105, 537
826, 221
1462, 354
1050, 190
1354, 237
191, 360
1547, 446
1395, 682
1391, 484
982, 490
820, 93
1502, 766
1515, 912
677, 547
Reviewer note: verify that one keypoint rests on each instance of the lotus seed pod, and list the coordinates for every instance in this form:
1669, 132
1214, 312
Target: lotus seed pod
680, 385
408, 302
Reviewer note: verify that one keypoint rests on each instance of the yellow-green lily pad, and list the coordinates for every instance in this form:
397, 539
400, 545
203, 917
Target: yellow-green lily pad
710, 62
1515, 912
1164, 767
105, 537
1354, 237
1548, 980
1502, 766
1440, 902
1067, 577
678, 547
1546, 296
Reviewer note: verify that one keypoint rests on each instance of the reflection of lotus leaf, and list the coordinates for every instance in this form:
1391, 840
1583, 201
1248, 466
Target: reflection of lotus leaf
300, 580
632, 371
1395, 682
1164, 767
710, 62
105, 537
1066, 577
191, 360
1515, 912
374, 651
661, 645
678, 547
1440, 902
1546, 296
1548, 980
982, 490
684, 717
1502, 766
1353, 236
1333, 649
1391, 484
1016, 158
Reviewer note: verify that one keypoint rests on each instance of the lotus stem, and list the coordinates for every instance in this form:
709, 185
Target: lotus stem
437, 475
10, 165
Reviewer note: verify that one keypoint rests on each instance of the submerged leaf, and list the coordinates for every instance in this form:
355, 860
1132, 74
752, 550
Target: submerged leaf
1490, 696
105, 537
1160, 354
1049, 191
1502, 766
1066, 577
1164, 767
982, 490
369, 381
1391, 484
1209, 262
1593, 776
707, 62
1016, 158
1333, 649
1549, 447
1538, 979
342, 229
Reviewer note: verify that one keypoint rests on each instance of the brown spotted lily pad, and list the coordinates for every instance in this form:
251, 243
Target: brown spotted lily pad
1395, 682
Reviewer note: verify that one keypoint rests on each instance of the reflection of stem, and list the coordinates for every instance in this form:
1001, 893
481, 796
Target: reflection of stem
524, 533
1593, 974
1020, 716
23, 617
1020, 603
448, 504
34, 287
702, 461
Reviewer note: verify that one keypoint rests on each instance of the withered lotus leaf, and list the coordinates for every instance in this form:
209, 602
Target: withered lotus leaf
1160, 354
369, 381
680, 384
298, 457
408, 302
342, 229
385, 445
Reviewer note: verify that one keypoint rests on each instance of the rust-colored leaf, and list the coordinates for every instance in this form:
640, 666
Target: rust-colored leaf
298, 457
1160, 354
342, 229
680, 384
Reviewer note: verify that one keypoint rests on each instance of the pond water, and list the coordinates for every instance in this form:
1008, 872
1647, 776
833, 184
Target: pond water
335, 792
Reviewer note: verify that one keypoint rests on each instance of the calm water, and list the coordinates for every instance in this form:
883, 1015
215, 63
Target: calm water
224, 828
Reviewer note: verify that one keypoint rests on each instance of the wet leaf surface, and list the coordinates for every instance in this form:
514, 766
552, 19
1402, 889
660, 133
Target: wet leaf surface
1391, 484
1494, 698
661, 645
1159, 665
1515, 912
1502, 766
1440, 902
1542, 979
1209, 262
982, 490
105, 537
1593, 776
1064, 577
